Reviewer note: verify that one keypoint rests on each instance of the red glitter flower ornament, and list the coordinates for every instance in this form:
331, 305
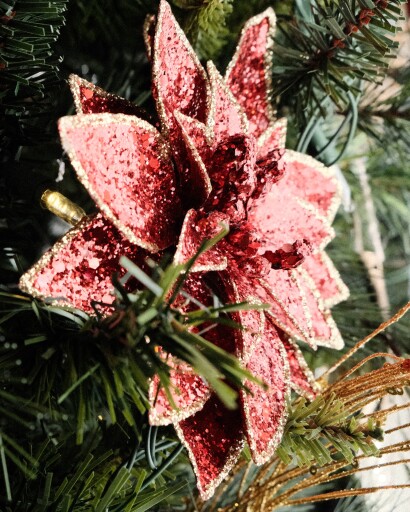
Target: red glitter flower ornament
218, 160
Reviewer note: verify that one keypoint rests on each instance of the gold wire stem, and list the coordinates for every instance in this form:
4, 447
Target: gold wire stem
383, 326
62, 207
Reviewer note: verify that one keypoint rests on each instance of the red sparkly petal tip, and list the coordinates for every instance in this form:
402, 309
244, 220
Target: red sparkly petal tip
327, 279
252, 321
281, 219
301, 378
188, 390
273, 138
78, 269
227, 117
179, 81
90, 99
323, 328
284, 286
248, 75
311, 181
149, 34
214, 440
124, 164
194, 151
195, 230
265, 411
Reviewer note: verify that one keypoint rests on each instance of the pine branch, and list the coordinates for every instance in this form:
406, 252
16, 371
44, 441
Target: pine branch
205, 23
326, 53
324, 430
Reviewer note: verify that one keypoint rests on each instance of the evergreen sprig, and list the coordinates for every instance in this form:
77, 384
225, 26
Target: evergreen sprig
320, 431
325, 51
64, 376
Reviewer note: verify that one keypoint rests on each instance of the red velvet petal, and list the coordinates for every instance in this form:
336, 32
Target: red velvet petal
195, 230
301, 378
280, 219
179, 81
327, 279
324, 330
248, 75
265, 411
79, 268
227, 117
125, 166
189, 392
313, 182
90, 99
273, 138
214, 440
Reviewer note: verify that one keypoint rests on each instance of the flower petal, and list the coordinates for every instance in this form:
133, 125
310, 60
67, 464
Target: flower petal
252, 321
179, 81
125, 166
249, 74
327, 279
265, 411
226, 117
188, 390
193, 151
78, 269
195, 230
214, 440
324, 330
301, 378
273, 138
311, 181
283, 287
281, 219
90, 99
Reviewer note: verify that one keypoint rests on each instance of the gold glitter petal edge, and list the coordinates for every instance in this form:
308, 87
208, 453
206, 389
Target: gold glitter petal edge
327, 172
269, 13
180, 117
214, 79
80, 121
148, 23
262, 457
335, 341
156, 67
176, 415
303, 335
281, 124
76, 82
233, 456
334, 274
26, 283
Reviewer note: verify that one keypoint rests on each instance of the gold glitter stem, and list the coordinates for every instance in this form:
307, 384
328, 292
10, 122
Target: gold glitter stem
365, 340
62, 207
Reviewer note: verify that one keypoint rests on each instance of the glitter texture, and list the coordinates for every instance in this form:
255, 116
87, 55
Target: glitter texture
125, 165
265, 411
90, 99
79, 268
189, 393
214, 440
219, 161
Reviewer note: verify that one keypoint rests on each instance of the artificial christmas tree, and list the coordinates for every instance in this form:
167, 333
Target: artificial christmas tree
182, 300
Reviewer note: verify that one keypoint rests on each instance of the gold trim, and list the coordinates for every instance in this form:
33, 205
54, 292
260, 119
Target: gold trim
78, 122
256, 20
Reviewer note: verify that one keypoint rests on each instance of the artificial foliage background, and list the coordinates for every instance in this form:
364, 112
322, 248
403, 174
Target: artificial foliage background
73, 423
